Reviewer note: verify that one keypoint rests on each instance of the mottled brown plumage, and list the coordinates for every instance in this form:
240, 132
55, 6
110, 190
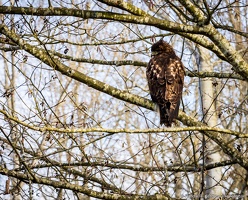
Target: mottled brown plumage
165, 75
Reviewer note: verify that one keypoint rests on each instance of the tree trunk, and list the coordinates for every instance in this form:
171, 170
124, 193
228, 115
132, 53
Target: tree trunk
213, 176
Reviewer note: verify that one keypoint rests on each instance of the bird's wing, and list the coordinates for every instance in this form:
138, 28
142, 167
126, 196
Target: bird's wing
174, 76
156, 79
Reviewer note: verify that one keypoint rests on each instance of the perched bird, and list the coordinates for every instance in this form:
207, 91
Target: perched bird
165, 75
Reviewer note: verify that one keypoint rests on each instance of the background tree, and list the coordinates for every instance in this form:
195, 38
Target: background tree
76, 119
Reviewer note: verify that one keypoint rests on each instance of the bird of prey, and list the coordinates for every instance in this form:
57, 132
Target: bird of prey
165, 75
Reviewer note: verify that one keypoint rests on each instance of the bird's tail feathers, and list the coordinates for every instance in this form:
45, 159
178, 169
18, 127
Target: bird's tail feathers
165, 117
168, 115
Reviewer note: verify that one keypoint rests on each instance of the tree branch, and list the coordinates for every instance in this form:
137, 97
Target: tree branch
77, 188
195, 12
92, 14
131, 131
125, 6
232, 56
119, 165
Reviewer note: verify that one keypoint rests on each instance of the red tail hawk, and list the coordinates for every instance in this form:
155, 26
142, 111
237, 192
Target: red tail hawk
165, 75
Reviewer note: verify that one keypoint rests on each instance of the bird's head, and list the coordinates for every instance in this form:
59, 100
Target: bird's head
161, 47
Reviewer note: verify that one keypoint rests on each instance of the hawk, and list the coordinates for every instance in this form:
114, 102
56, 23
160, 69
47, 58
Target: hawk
165, 75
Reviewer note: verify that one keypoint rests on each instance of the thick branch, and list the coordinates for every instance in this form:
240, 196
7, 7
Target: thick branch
195, 12
131, 131
92, 14
125, 6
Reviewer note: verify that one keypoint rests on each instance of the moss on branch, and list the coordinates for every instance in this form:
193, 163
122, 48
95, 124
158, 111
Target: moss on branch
125, 6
